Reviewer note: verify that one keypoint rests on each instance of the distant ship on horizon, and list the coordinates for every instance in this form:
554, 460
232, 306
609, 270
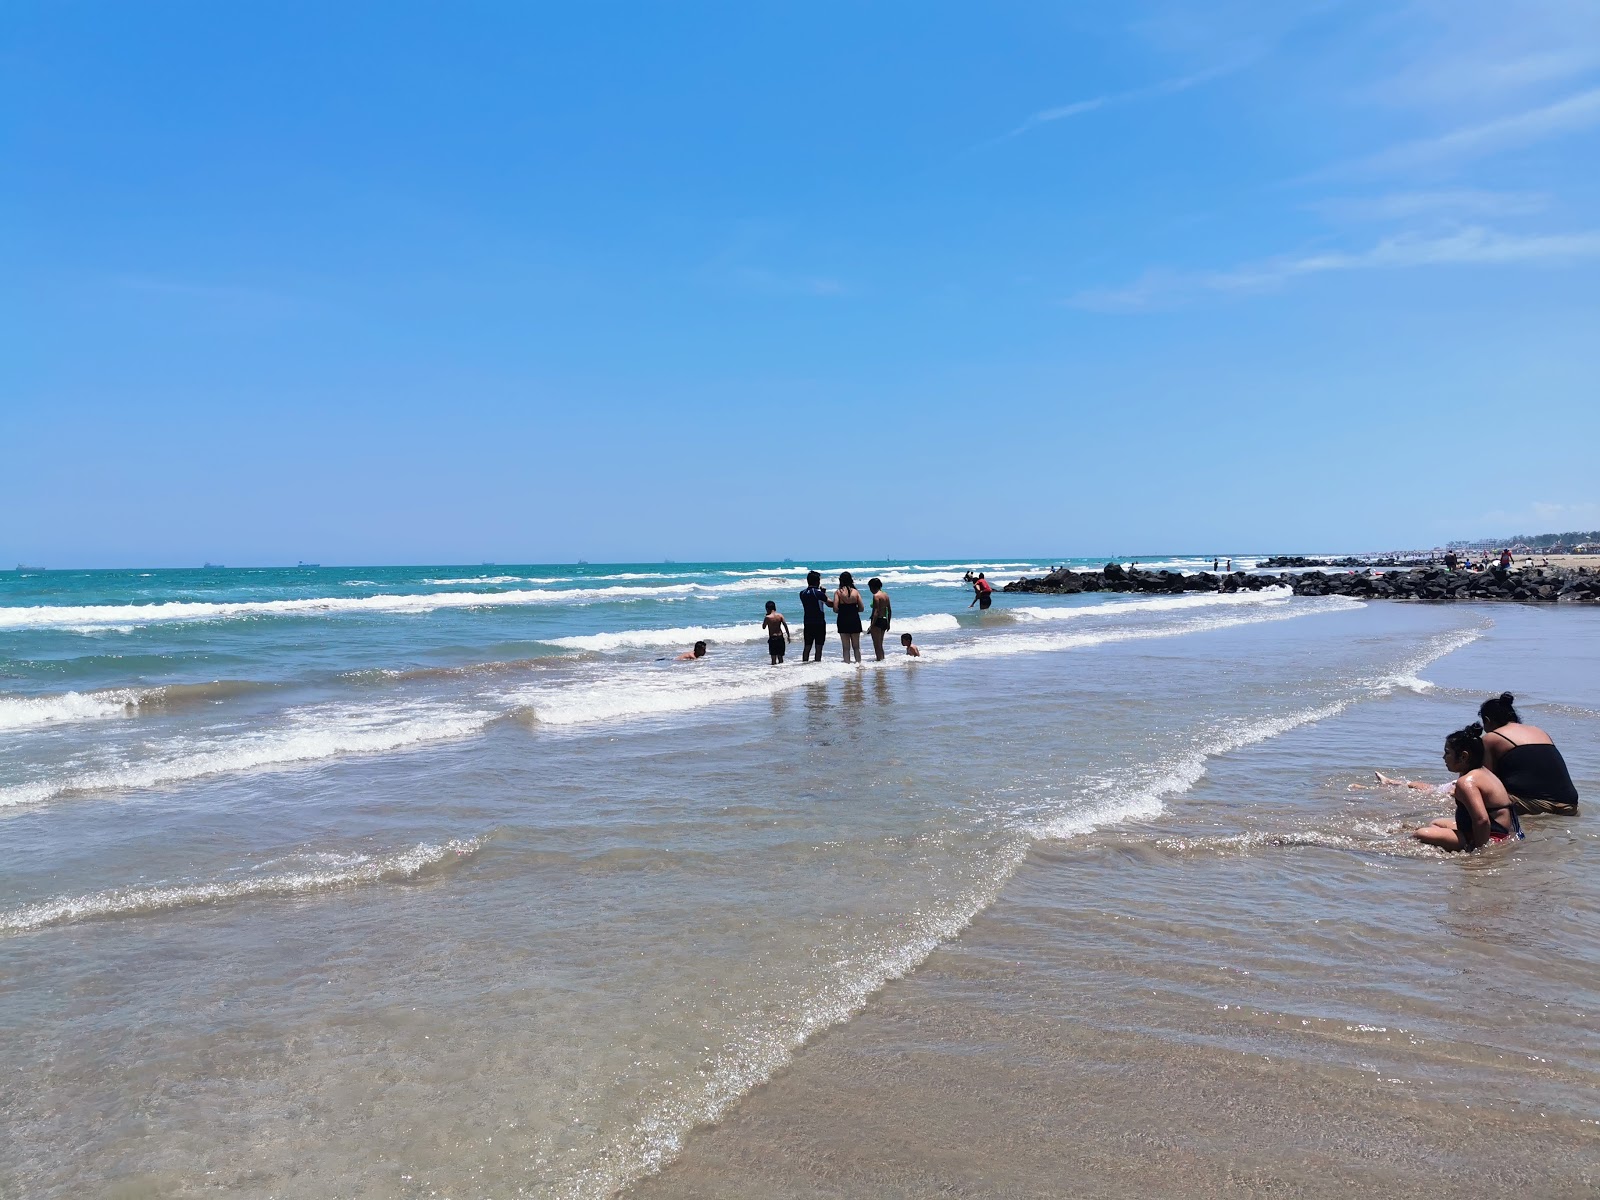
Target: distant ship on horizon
214, 567
306, 564
25, 567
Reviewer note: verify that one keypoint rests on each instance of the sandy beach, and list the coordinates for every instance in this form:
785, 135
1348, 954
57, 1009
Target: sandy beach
1589, 561
1285, 1000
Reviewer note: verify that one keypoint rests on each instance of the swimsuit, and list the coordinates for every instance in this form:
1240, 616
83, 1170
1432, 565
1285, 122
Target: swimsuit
984, 597
814, 600
1536, 776
1497, 832
849, 615
881, 622
776, 645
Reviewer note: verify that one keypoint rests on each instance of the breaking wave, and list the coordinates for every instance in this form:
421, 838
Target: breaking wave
345, 871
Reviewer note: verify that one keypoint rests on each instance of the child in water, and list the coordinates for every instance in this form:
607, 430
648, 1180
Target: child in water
905, 640
777, 642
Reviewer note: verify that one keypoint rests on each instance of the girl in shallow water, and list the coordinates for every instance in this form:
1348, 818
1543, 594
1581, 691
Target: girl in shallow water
1484, 812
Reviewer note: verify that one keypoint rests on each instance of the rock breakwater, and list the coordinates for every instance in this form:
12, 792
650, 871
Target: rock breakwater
1534, 585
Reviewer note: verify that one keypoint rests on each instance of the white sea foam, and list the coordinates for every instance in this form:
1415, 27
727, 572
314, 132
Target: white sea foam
856, 969
1035, 643
1436, 647
713, 681
1143, 800
489, 579
311, 735
348, 871
750, 631
29, 712
87, 616
1117, 607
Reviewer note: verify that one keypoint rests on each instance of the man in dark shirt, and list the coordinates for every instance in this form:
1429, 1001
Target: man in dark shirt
814, 600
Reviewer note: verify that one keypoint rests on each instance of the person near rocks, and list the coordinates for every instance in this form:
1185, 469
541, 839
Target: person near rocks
777, 628
1484, 811
1505, 560
912, 651
882, 611
1230, 566
982, 593
1526, 760
813, 601
847, 607
1452, 561
1216, 564
699, 651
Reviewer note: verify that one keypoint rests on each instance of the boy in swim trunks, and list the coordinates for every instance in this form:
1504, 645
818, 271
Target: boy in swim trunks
905, 640
773, 623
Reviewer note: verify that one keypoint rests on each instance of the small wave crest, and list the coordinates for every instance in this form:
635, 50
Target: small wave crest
28, 712
645, 639
1256, 840
327, 872
1143, 799
1112, 608
87, 617
312, 735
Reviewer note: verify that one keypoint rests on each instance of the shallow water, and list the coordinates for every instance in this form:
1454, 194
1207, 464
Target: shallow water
489, 899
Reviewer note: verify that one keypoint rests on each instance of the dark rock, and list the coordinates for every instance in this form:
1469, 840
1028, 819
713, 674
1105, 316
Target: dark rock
1538, 585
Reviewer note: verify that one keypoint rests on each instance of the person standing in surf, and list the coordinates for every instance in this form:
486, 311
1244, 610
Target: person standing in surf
777, 628
881, 613
982, 593
847, 607
813, 600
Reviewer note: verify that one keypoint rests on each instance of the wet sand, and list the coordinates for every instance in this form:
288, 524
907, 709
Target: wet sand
1247, 996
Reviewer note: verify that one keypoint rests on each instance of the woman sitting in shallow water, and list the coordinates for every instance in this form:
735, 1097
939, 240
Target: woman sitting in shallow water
1484, 812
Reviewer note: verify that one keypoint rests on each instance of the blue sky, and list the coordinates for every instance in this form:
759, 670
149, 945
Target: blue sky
428, 283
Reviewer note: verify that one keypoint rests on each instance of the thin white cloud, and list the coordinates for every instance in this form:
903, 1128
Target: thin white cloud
1468, 54
1459, 202
1166, 87
1574, 114
1465, 247
1544, 516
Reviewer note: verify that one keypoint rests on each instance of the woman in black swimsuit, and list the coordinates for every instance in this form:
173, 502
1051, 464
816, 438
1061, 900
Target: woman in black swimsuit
847, 605
1526, 760
1484, 812
881, 613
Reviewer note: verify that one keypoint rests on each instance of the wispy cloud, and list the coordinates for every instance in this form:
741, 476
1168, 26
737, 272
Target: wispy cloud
1166, 87
1464, 247
776, 283
1458, 202
1543, 516
1574, 114
744, 263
